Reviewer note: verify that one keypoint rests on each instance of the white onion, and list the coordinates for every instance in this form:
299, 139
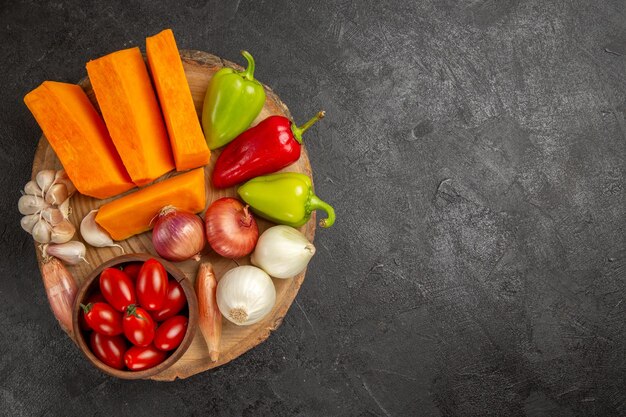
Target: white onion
282, 252
245, 295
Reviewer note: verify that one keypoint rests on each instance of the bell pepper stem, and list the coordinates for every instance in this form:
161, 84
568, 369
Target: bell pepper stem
299, 130
316, 203
248, 73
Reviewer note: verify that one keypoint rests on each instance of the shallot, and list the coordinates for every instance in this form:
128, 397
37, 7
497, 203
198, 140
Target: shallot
209, 316
61, 290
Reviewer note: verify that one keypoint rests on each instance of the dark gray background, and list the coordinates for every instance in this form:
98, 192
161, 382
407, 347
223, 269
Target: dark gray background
474, 151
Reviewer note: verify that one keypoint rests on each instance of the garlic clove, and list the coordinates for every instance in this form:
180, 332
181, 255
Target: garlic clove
45, 179
52, 215
31, 204
94, 234
71, 253
62, 178
31, 188
56, 194
28, 222
65, 208
283, 252
62, 232
41, 231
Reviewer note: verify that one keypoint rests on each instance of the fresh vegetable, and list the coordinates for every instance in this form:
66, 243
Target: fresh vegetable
138, 358
72, 253
133, 213
109, 349
79, 138
132, 115
103, 318
93, 298
61, 290
132, 270
231, 229
62, 232
285, 198
31, 204
94, 234
138, 326
52, 215
178, 235
186, 138
175, 301
151, 285
282, 252
41, 231
117, 288
233, 100
267, 147
170, 333
209, 316
245, 295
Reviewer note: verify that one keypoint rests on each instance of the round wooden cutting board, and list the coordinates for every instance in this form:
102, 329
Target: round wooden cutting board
199, 68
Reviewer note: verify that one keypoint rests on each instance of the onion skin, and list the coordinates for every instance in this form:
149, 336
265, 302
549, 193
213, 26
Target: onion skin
178, 235
209, 316
231, 229
61, 290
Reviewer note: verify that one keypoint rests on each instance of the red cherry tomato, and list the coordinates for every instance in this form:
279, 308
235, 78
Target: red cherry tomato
93, 298
138, 358
117, 289
132, 270
103, 318
138, 326
152, 285
170, 333
175, 301
109, 349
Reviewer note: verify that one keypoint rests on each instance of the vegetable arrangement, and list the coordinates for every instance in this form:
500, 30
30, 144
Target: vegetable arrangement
149, 127
137, 318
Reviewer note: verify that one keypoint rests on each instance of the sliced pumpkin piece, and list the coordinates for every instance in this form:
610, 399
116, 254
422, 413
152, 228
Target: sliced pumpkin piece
188, 144
80, 139
134, 213
132, 115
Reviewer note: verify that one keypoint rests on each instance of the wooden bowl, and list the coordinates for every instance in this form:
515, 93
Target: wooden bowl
91, 284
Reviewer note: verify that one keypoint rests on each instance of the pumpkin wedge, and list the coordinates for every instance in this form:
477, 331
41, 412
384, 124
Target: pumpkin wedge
134, 213
189, 146
80, 139
132, 115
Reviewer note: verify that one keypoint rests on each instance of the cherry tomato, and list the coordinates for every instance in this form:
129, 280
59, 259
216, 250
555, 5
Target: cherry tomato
109, 349
152, 285
138, 326
138, 358
132, 270
175, 301
103, 318
117, 289
93, 298
170, 333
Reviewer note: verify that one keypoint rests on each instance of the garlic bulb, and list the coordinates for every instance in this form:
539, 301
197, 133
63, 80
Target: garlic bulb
94, 234
245, 295
282, 252
71, 253
62, 232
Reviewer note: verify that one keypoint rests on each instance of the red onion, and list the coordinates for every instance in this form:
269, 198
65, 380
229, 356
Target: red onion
178, 235
230, 228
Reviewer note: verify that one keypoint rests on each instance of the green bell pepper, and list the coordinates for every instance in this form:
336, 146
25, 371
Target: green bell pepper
285, 198
232, 101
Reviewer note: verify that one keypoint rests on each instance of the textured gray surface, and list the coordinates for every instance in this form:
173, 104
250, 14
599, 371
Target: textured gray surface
474, 151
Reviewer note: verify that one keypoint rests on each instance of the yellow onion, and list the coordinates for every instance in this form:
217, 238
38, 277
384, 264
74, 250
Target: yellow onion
178, 235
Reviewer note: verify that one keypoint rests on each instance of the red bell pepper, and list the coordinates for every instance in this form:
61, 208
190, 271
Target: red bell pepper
267, 147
